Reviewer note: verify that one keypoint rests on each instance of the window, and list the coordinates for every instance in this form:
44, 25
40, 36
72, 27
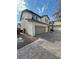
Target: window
46, 20
34, 17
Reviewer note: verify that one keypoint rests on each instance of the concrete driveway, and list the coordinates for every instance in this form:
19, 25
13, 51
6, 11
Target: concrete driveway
51, 36
25, 39
48, 46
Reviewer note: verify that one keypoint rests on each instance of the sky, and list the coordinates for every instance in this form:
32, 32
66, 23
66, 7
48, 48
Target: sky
40, 7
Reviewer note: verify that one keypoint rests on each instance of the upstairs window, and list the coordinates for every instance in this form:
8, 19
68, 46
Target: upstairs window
34, 17
46, 20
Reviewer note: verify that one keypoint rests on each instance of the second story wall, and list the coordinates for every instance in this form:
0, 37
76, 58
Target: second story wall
26, 16
29, 15
35, 17
45, 20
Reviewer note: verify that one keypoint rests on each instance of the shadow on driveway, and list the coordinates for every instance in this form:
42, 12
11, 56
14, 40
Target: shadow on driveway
51, 36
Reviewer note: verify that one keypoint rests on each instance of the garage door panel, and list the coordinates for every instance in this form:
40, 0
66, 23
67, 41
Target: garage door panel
39, 29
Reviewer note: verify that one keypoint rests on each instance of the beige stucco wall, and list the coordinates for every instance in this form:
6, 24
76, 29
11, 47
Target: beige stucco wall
28, 26
27, 15
43, 20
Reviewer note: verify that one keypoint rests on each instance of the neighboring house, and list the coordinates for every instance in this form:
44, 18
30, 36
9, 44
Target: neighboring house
56, 25
32, 23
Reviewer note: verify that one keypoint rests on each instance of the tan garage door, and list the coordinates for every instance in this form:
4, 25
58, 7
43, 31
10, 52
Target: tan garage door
39, 29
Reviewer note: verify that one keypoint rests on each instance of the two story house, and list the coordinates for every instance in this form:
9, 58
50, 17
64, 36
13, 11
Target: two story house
32, 23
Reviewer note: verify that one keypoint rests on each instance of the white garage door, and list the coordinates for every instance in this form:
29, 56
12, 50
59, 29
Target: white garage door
39, 29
